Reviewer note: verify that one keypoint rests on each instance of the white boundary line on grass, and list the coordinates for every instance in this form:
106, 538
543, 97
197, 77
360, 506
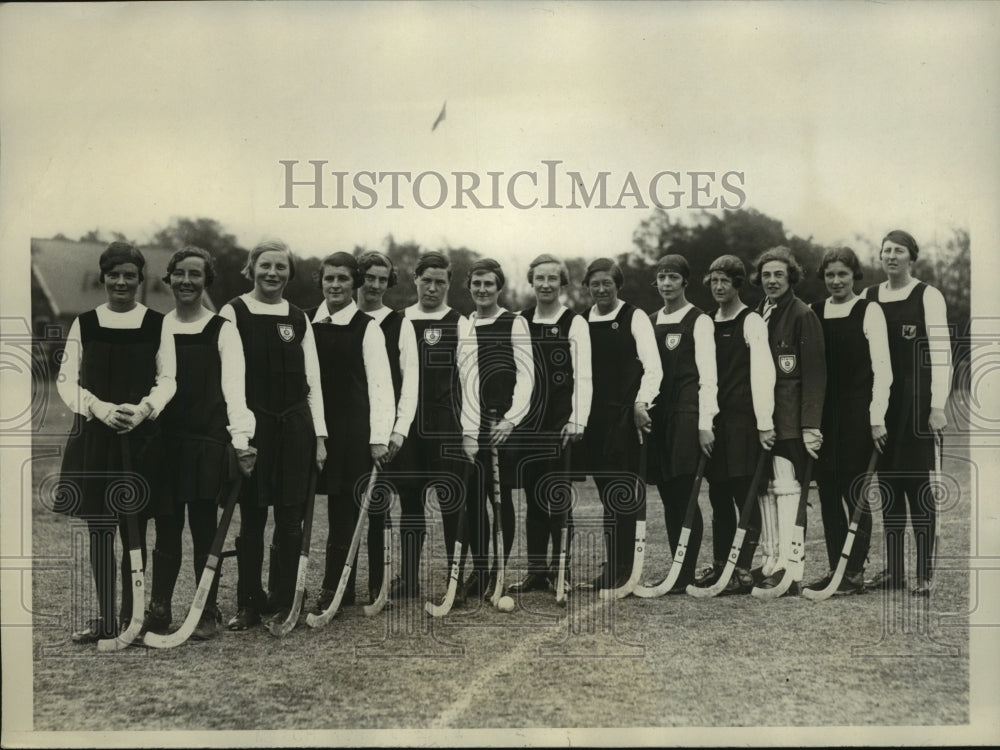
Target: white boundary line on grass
446, 718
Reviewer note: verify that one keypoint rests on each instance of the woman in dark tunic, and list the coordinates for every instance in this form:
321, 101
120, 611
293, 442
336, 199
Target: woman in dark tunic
117, 376
626, 372
858, 375
685, 406
505, 377
921, 378
283, 391
203, 426
745, 422
357, 392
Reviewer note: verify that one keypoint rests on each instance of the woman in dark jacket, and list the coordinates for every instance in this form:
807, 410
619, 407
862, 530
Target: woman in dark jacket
796, 339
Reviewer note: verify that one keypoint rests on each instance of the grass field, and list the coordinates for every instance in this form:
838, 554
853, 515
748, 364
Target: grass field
669, 662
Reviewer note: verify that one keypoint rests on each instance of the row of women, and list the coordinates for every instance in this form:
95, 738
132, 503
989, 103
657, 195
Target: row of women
293, 400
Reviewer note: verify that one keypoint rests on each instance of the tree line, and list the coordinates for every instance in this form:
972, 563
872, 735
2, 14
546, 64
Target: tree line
744, 233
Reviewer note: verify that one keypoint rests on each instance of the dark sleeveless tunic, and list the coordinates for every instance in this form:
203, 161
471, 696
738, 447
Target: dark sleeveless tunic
910, 445
117, 365
391, 328
610, 437
497, 377
276, 391
552, 394
673, 446
345, 401
847, 434
439, 405
194, 422
737, 444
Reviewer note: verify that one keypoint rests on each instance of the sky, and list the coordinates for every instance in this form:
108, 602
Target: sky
838, 120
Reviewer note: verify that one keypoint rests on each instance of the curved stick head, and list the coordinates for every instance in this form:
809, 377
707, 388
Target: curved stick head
776, 591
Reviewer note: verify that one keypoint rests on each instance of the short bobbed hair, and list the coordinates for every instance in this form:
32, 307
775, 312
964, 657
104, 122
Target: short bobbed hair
846, 256
731, 266
486, 265
674, 263
783, 254
344, 260
547, 258
607, 266
433, 259
375, 258
266, 246
121, 252
191, 251
902, 238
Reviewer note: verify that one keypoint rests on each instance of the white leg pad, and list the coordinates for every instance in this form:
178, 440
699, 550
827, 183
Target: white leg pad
768, 532
787, 490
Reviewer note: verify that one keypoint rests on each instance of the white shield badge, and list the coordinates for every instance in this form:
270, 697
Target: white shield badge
786, 362
432, 335
909, 332
673, 339
286, 332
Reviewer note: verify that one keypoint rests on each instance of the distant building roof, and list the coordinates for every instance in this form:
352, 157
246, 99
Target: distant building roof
68, 275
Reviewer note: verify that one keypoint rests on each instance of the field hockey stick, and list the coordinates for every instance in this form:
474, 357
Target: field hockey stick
205, 581
738, 538
798, 543
377, 606
652, 592
561, 588
639, 552
280, 629
938, 488
861, 503
440, 610
134, 541
318, 621
498, 546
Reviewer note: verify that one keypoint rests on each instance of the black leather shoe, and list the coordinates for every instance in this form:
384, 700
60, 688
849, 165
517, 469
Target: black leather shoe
553, 575
324, 601
821, 584
245, 619
268, 604
885, 580
595, 584
741, 582
460, 594
621, 578
708, 576
851, 583
157, 618
531, 582
94, 631
399, 589
772, 580
208, 625
923, 588
279, 617
491, 585
475, 586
